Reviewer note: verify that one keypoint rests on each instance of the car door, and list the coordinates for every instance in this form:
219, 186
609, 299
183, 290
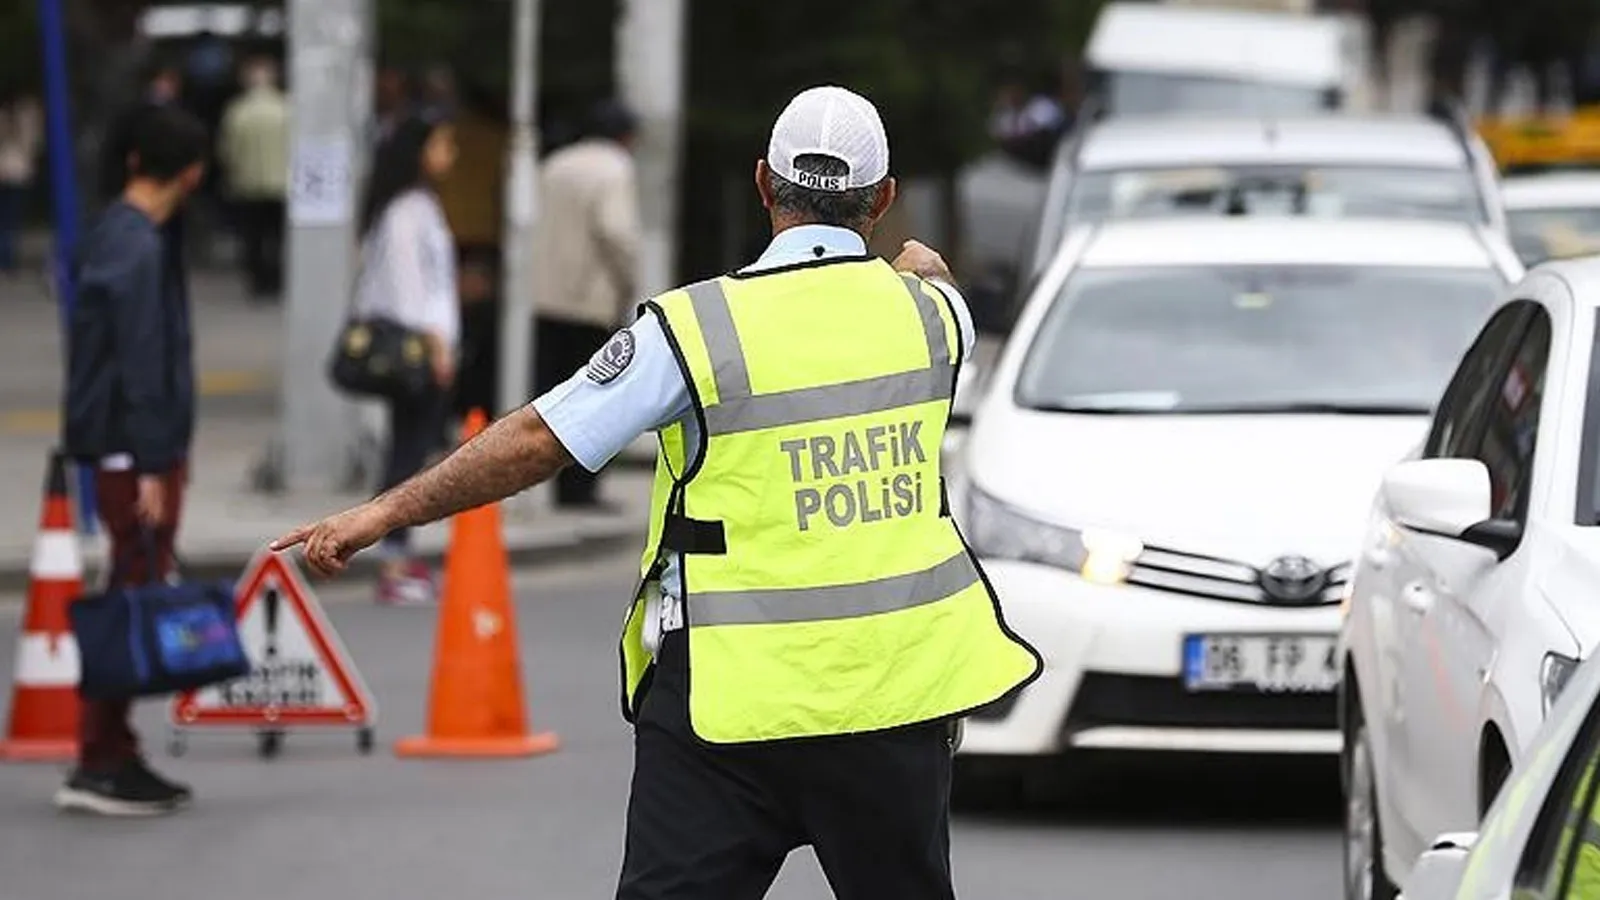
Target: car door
1462, 593
1410, 709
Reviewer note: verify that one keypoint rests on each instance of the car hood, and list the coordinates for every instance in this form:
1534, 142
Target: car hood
1247, 488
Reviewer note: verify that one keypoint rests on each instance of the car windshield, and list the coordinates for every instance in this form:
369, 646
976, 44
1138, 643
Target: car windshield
1543, 234
1255, 339
1143, 93
1324, 191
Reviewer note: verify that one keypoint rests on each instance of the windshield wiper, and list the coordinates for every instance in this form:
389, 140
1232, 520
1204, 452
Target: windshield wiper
1308, 409
1245, 409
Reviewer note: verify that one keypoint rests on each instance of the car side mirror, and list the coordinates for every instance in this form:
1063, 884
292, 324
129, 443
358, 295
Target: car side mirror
1439, 869
1449, 498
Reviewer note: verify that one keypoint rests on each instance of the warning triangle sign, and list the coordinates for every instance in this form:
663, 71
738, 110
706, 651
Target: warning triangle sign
301, 673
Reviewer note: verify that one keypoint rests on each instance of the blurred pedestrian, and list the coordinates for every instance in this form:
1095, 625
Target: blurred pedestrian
586, 251
21, 136
130, 413
391, 103
254, 148
440, 99
408, 276
809, 626
163, 91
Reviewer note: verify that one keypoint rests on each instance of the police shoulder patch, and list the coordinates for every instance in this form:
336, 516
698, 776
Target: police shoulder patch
612, 359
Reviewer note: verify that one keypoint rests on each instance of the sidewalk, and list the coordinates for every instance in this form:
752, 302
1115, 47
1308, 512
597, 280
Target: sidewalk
226, 520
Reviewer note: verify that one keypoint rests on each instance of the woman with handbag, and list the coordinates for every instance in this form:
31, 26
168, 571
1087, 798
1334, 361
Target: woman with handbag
407, 288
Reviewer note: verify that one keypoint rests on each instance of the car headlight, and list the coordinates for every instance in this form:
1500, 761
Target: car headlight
997, 531
1554, 673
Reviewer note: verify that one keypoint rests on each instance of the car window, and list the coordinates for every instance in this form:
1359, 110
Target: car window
1461, 409
1324, 191
1178, 339
1512, 421
1142, 93
1543, 234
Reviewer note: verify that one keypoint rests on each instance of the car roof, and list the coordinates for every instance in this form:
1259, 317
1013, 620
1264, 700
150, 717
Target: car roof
1271, 240
1167, 141
1245, 44
1557, 190
1582, 276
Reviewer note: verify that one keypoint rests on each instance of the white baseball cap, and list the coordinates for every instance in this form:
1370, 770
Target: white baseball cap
830, 121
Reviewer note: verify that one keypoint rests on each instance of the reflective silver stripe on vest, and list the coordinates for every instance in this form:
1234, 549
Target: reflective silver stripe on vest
728, 368
852, 398
932, 322
783, 605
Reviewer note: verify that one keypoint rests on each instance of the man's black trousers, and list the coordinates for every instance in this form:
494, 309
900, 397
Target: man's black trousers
715, 823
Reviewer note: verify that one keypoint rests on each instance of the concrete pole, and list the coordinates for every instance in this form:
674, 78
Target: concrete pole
651, 47
516, 303
329, 46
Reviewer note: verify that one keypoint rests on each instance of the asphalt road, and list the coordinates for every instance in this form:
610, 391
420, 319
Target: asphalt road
321, 821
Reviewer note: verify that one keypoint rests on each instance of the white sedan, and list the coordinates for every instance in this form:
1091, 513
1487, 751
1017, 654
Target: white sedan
1474, 594
1170, 468
1554, 215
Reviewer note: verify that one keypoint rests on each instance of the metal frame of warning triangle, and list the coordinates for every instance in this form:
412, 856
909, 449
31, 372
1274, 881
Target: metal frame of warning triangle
360, 710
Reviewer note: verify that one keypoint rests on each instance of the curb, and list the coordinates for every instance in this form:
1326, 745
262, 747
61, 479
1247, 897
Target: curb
227, 565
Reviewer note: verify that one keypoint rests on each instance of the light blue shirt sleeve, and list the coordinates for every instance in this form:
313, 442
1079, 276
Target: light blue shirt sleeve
595, 421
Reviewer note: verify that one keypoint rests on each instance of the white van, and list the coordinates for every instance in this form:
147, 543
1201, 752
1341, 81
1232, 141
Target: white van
1146, 58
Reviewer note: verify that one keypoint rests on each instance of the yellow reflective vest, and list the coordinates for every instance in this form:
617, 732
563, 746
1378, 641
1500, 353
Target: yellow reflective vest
827, 590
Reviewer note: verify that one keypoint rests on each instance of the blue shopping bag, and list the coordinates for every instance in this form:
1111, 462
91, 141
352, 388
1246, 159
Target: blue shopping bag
142, 640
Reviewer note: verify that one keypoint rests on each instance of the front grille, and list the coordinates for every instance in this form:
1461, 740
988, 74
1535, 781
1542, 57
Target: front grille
1153, 702
1177, 572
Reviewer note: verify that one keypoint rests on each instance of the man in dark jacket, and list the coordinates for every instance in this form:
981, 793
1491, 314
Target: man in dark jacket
129, 412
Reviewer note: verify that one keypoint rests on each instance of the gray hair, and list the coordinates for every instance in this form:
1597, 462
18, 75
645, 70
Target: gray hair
847, 209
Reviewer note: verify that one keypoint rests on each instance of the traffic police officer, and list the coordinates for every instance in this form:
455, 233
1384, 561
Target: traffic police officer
809, 624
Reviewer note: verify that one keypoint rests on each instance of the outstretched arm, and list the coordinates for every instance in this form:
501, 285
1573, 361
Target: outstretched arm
515, 453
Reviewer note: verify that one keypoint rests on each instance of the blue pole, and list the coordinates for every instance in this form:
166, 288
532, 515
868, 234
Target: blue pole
64, 196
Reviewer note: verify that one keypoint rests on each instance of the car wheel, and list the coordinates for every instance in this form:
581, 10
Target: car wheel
1364, 875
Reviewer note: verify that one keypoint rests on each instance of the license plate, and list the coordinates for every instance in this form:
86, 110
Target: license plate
1271, 663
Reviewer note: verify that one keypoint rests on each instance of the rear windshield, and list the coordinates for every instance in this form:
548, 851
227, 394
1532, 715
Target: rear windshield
1543, 234
1255, 339
1325, 191
1142, 93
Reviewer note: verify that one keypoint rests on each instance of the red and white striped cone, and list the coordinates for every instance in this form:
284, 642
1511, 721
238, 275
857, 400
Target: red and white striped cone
43, 725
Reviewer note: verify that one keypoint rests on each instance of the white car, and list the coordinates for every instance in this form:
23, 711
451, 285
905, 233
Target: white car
1525, 848
1314, 165
1553, 216
1474, 592
1171, 465
1163, 57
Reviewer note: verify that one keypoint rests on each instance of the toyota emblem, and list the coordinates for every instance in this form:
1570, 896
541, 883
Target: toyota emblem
1293, 579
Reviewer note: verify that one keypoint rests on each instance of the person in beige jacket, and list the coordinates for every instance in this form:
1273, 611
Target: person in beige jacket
21, 136
586, 247
254, 146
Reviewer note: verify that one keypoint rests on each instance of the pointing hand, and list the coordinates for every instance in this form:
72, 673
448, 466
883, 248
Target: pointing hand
330, 543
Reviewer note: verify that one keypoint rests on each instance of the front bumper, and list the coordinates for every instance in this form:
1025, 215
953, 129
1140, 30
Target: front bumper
1113, 666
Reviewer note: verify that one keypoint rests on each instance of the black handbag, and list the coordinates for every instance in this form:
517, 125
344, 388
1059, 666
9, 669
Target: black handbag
377, 357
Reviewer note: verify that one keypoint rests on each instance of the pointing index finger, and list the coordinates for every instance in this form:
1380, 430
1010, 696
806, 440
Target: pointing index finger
298, 536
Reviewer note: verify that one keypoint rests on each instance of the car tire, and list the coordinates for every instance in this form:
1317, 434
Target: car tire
1364, 875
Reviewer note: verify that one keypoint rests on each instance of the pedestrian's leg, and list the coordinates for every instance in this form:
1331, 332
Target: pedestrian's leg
273, 250
877, 811
10, 225
412, 433
702, 823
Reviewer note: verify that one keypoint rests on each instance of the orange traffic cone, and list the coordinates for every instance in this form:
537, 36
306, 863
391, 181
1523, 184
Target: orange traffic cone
475, 704
43, 724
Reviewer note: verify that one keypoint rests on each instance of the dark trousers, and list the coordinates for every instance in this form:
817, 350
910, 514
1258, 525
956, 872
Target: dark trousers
560, 349
261, 240
415, 429
11, 196
715, 823
105, 732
